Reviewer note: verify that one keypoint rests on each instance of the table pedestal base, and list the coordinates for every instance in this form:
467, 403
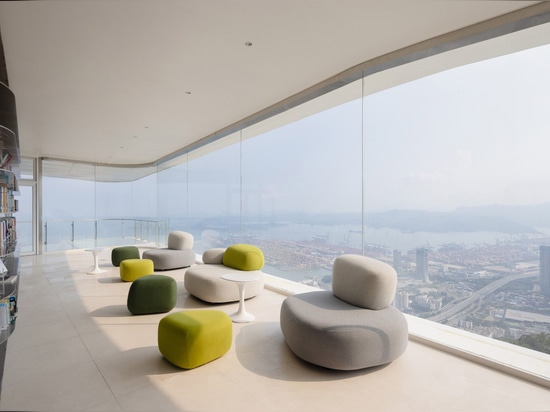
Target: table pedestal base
96, 269
241, 315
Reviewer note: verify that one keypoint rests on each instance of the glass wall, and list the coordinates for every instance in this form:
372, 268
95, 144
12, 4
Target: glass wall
214, 194
172, 194
26, 222
302, 188
85, 205
443, 177
68, 205
24, 218
456, 173
126, 211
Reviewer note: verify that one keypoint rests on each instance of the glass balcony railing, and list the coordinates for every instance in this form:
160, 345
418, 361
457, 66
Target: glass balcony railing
69, 234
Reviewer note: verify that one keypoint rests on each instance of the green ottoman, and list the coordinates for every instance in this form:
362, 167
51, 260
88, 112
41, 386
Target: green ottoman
152, 294
132, 269
118, 254
192, 338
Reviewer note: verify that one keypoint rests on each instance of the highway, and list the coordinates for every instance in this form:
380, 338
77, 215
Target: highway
449, 312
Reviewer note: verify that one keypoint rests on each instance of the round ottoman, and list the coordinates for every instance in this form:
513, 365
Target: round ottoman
152, 294
353, 326
326, 331
192, 338
132, 269
118, 254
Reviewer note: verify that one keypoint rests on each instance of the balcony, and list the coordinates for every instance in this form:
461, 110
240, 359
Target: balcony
76, 347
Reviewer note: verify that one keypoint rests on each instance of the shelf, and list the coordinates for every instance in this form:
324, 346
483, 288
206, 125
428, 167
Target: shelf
9, 174
9, 148
9, 285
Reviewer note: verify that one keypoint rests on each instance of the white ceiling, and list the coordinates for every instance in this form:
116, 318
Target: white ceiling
130, 82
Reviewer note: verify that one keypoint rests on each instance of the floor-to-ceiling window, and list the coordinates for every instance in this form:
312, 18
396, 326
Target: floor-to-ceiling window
443, 176
302, 186
86, 205
68, 205
173, 196
27, 232
126, 206
456, 198
214, 193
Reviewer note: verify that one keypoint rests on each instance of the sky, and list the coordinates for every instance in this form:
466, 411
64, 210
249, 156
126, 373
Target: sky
474, 135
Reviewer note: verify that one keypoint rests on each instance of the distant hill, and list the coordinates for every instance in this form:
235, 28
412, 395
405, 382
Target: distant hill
503, 219
531, 215
493, 218
464, 221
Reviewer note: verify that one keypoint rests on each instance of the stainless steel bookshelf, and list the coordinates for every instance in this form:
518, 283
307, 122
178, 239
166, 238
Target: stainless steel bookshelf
9, 174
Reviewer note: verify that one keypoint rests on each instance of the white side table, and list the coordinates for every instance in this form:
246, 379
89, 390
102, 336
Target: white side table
96, 251
241, 278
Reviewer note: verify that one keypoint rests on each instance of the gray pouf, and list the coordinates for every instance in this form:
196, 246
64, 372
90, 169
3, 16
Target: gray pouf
353, 326
326, 331
178, 253
166, 259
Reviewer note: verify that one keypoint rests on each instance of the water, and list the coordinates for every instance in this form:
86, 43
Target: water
344, 235
391, 239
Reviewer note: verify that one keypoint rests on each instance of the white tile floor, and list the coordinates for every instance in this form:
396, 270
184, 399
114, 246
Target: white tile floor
76, 347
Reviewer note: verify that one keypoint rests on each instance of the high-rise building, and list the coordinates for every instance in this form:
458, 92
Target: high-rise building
401, 300
422, 264
397, 260
544, 269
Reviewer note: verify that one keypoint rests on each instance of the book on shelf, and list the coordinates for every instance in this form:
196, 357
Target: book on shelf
8, 180
5, 160
8, 203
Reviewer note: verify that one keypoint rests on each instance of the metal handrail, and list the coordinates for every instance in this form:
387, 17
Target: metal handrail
140, 233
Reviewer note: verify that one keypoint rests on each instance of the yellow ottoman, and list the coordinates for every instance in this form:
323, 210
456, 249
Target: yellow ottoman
243, 257
132, 269
192, 338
